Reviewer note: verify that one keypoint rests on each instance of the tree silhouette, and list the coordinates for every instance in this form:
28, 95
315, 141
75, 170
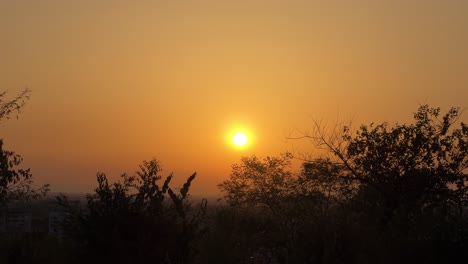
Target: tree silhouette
411, 179
264, 186
136, 219
258, 182
15, 183
326, 182
403, 188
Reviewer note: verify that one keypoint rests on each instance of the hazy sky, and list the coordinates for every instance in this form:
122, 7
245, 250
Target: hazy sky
117, 82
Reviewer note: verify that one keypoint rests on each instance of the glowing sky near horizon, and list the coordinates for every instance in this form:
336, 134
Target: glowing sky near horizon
117, 82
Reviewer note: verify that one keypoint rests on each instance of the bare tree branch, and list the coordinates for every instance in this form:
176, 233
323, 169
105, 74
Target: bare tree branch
8, 107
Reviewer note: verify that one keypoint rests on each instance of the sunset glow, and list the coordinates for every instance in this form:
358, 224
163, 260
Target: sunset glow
114, 83
291, 128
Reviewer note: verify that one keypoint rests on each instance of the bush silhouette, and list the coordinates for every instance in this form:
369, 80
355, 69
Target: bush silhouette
136, 220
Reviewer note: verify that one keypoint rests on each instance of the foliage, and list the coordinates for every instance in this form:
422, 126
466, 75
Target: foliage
326, 181
264, 185
403, 187
411, 173
136, 215
256, 181
425, 161
15, 183
411, 179
282, 208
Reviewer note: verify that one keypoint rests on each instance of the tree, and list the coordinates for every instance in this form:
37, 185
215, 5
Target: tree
259, 182
420, 165
15, 183
403, 187
326, 182
429, 157
280, 210
411, 179
258, 189
136, 219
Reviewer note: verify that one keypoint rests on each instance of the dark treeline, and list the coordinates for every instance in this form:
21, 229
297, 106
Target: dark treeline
383, 194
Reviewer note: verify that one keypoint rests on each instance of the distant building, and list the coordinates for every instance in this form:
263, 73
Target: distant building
15, 221
55, 223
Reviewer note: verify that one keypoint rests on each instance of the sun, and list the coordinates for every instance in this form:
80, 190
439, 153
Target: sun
240, 139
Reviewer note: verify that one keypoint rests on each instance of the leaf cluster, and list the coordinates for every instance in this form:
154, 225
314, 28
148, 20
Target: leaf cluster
16, 183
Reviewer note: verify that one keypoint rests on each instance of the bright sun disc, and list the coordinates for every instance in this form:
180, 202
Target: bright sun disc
240, 139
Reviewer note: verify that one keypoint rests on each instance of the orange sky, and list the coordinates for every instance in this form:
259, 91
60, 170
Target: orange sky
116, 82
